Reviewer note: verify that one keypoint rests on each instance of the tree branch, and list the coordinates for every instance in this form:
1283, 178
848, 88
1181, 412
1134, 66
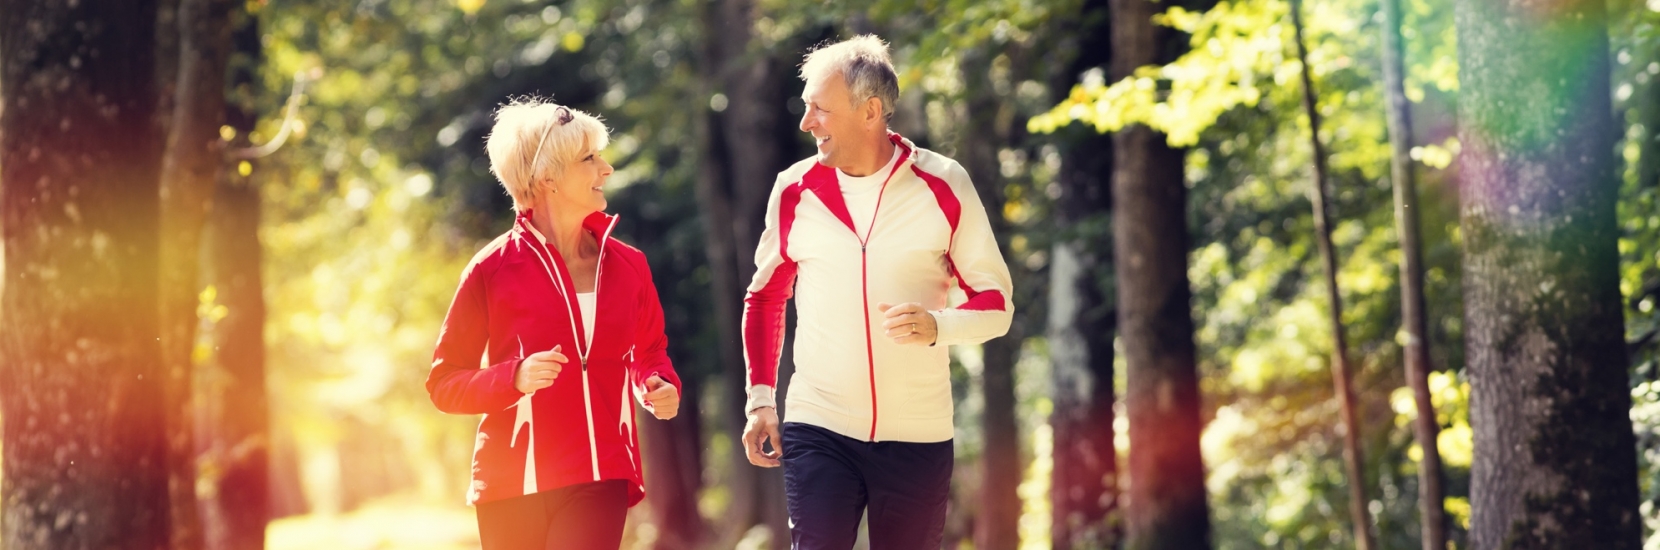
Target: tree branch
289, 118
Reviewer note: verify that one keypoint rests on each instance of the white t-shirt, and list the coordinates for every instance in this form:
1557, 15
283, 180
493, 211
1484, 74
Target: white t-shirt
585, 300
862, 192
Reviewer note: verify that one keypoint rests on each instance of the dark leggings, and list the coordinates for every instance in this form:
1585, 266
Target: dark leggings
584, 516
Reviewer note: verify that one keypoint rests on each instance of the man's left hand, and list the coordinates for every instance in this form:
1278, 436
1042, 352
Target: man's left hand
908, 324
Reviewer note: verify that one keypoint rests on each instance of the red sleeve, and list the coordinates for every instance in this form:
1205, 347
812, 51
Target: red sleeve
770, 290
456, 383
651, 354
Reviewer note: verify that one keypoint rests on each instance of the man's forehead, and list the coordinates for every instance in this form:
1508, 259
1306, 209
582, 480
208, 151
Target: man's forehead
822, 86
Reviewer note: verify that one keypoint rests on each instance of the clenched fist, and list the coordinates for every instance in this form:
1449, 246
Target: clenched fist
539, 370
908, 323
662, 398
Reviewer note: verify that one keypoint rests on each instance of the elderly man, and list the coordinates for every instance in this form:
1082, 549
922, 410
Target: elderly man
869, 235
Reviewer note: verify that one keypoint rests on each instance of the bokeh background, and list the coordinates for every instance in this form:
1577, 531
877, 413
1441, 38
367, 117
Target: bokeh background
328, 260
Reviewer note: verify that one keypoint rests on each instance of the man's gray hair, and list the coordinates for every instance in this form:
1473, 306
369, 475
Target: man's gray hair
863, 61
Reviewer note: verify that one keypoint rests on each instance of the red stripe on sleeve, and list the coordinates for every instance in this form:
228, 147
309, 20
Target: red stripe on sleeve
786, 220
949, 205
763, 323
991, 300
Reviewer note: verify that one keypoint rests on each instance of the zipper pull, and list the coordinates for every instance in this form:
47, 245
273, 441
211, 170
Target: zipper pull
584, 363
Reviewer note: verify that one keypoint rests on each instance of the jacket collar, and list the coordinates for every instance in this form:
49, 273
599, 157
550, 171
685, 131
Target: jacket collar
907, 150
822, 181
598, 223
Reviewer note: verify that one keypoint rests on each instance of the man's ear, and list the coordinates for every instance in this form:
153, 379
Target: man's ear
873, 111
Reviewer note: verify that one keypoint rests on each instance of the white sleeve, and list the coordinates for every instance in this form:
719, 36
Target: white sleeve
978, 266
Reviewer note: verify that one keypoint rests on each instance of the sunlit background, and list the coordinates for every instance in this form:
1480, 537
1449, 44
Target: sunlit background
371, 213
373, 206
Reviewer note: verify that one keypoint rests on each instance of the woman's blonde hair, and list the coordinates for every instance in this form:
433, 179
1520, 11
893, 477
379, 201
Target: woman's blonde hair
534, 139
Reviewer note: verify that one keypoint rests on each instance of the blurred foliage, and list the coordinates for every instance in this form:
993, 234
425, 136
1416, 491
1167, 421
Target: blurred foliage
376, 204
1634, 36
1234, 100
1273, 444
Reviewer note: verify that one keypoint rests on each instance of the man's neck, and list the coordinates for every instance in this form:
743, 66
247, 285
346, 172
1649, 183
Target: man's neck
872, 162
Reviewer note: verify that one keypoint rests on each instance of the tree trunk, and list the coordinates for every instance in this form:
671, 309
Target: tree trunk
1083, 494
1166, 501
1082, 321
195, 153
674, 467
1554, 461
1414, 317
80, 158
997, 525
1353, 459
742, 156
167, 61
235, 508
234, 413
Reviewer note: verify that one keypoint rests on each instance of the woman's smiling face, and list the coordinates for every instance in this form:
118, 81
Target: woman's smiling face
579, 187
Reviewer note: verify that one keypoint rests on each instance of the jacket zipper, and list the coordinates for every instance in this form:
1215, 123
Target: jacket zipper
870, 346
587, 401
582, 347
864, 290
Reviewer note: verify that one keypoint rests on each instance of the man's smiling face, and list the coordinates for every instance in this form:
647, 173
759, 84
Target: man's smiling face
829, 115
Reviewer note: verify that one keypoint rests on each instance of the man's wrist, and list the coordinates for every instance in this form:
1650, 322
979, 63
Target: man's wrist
760, 395
939, 326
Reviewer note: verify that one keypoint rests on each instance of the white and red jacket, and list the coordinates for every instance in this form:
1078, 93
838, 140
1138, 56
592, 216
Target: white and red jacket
517, 298
928, 234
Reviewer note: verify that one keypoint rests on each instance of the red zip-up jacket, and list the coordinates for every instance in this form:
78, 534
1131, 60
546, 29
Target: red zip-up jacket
517, 298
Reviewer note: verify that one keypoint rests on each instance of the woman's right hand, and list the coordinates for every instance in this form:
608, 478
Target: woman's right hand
539, 370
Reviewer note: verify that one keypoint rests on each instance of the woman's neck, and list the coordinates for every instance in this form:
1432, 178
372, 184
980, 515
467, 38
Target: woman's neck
562, 231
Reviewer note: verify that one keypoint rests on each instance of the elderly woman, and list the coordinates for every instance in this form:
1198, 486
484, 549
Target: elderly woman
569, 321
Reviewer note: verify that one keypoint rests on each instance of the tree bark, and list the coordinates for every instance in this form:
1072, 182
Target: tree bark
1166, 500
674, 467
1544, 332
997, 525
235, 509
1414, 317
195, 153
234, 412
1353, 459
1083, 496
167, 61
80, 159
742, 156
